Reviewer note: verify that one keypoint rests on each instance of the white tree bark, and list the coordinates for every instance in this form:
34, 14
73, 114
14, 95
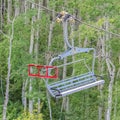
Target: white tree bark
50, 35
25, 82
116, 100
45, 3
1, 14
17, 8
22, 6
65, 102
105, 54
118, 71
85, 42
30, 52
9, 10
24, 99
30, 100
8, 74
101, 68
39, 102
48, 56
116, 90
36, 50
111, 70
26, 8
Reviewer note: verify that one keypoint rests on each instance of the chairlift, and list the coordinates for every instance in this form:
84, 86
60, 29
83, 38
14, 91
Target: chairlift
72, 83
78, 82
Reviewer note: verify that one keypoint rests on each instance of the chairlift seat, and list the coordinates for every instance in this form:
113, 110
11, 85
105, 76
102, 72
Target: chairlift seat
74, 84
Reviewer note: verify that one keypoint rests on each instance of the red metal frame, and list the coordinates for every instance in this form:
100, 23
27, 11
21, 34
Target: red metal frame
39, 67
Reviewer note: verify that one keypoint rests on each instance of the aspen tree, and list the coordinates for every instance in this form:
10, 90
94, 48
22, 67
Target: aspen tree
37, 32
101, 69
6, 99
17, 8
25, 82
9, 10
30, 52
111, 71
1, 14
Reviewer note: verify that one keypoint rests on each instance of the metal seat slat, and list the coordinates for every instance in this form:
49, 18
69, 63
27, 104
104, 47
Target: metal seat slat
73, 85
67, 79
62, 82
79, 83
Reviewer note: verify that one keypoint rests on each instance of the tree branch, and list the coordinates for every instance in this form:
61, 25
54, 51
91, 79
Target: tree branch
4, 34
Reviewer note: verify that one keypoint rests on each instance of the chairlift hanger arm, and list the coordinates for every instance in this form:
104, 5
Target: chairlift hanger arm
64, 17
65, 33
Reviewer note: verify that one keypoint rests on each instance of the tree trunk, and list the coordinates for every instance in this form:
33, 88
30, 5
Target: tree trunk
30, 52
30, 99
85, 42
50, 36
22, 6
17, 8
26, 8
48, 56
101, 68
116, 99
116, 89
1, 14
25, 82
111, 70
9, 10
24, 99
118, 71
8, 74
45, 2
65, 102
36, 51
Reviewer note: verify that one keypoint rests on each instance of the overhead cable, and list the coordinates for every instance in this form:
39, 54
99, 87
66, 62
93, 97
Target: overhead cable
80, 21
